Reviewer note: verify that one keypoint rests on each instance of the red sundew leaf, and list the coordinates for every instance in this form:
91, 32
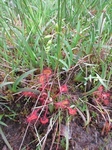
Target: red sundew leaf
44, 120
106, 102
43, 97
72, 111
47, 72
29, 94
33, 116
102, 97
45, 76
42, 79
63, 88
101, 88
105, 95
42, 100
62, 104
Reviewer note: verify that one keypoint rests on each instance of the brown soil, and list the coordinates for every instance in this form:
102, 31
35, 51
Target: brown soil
82, 138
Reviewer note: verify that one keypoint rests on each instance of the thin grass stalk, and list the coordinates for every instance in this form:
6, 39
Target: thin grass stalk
59, 32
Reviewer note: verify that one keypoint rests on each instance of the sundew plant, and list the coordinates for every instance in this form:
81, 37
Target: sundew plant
56, 65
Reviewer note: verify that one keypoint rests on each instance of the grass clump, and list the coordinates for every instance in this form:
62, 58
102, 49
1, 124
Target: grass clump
72, 39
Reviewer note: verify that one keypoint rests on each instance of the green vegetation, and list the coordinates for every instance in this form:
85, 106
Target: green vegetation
73, 38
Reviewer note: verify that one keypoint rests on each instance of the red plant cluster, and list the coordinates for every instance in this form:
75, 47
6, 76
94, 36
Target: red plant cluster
65, 104
34, 116
63, 88
43, 99
44, 77
29, 94
102, 96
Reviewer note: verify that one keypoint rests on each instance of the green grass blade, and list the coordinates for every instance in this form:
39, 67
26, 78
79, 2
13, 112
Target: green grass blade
5, 83
18, 80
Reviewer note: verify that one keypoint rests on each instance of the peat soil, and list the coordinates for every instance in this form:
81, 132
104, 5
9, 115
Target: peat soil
91, 137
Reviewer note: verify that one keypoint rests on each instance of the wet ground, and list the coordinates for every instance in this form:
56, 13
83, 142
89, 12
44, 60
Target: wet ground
82, 138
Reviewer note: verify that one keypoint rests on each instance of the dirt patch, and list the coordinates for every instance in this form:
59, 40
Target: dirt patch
14, 133
89, 138
82, 138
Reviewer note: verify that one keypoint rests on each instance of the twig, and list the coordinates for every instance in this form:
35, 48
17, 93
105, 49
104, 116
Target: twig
24, 136
54, 136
